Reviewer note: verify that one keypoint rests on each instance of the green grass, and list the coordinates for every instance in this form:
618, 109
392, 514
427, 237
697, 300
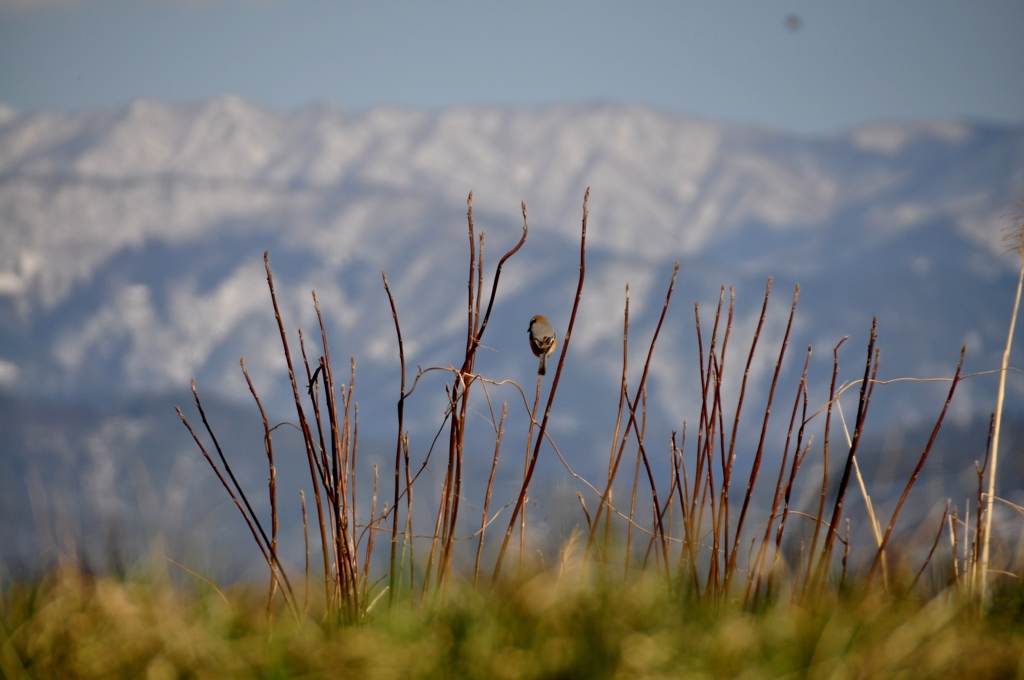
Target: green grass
73, 626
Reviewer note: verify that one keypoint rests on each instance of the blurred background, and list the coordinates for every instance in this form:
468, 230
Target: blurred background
150, 152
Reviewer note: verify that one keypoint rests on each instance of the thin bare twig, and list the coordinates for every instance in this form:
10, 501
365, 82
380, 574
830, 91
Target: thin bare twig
920, 464
554, 387
870, 370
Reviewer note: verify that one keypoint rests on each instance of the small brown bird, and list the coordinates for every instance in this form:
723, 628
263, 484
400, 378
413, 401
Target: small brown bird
542, 341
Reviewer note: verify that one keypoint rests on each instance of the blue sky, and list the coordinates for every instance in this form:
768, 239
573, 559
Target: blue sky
806, 66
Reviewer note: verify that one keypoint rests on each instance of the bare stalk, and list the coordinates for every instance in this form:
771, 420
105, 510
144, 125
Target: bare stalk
917, 470
758, 564
272, 480
307, 435
250, 517
760, 445
393, 590
824, 474
305, 537
612, 460
728, 462
633, 424
554, 384
866, 388
975, 556
927, 560
487, 497
1015, 240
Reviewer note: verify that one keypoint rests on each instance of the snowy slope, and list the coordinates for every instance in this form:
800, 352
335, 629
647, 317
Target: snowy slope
131, 244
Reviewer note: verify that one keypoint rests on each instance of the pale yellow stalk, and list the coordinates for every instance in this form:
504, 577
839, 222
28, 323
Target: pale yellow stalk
1014, 239
994, 460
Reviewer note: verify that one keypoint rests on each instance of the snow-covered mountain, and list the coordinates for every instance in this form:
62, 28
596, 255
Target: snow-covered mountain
130, 240
131, 247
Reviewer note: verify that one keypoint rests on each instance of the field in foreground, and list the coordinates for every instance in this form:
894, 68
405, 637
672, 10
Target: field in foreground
74, 626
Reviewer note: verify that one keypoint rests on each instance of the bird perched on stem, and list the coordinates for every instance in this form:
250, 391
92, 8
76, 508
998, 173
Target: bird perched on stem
542, 341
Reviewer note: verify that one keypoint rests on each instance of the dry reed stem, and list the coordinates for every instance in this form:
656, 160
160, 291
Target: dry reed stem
928, 559
715, 425
633, 424
954, 576
917, 470
846, 554
824, 454
345, 554
623, 385
460, 398
212, 585
1014, 238
393, 593
583, 506
371, 535
305, 538
471, 324
798, 460
683, 491
313, 390
980, 514
723, 508
460, 402
615, 446
526, 468
683, 485
776, 498
755, 468
303, 425
669, 509
272, 481
691, 531
407, 535
870, 370
487, 496
876, 528
632, 498
251, 521
618, 423
554, 383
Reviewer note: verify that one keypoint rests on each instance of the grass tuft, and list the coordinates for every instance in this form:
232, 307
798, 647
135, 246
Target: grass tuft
70, 625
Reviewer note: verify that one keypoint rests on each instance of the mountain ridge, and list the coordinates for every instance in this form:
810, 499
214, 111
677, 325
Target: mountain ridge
93, 203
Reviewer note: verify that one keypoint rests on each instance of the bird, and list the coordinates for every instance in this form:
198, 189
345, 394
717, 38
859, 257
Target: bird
542, 340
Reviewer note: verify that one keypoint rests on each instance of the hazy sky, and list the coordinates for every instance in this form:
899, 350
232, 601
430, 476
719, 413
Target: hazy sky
802, 65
